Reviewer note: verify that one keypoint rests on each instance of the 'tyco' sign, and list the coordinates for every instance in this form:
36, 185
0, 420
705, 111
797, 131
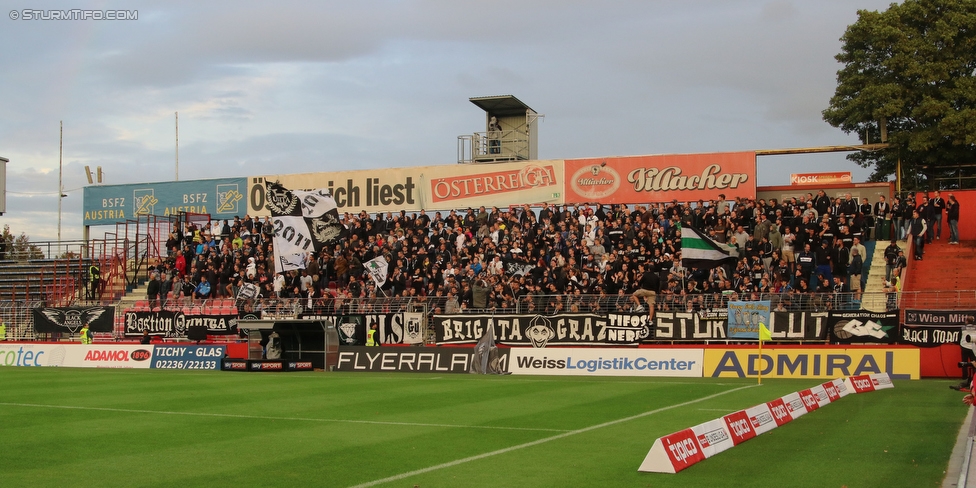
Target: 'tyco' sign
540, 331
175, 324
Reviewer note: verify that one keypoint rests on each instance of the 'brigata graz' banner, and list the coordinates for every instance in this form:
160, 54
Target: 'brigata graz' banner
175, 324
619, 329
542, 331
862, 326
69, 320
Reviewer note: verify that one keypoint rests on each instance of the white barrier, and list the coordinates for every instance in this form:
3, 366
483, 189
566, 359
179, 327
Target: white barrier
675, 452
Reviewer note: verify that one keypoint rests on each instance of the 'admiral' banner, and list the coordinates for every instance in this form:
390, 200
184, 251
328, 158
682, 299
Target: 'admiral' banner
542, 331
862, 326
69, 320
175, 324
937, 317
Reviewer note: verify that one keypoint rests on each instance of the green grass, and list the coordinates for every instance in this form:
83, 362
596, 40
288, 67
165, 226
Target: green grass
298, 429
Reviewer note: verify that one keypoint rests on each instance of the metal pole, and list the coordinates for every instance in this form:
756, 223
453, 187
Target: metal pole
60, 177
177, 146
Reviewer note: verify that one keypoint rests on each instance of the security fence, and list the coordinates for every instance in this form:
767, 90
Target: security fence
129, 318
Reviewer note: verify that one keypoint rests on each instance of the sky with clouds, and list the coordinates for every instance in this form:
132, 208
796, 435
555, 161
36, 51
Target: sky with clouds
293, 87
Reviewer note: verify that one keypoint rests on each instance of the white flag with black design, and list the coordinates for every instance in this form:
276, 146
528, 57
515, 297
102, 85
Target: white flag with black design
378, 269
304, 221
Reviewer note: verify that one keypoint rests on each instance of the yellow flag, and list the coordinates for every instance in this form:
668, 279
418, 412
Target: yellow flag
764, 334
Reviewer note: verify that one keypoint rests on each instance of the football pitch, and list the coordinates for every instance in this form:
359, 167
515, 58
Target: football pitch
101, 427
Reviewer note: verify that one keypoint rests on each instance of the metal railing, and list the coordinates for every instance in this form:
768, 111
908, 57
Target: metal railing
19, 318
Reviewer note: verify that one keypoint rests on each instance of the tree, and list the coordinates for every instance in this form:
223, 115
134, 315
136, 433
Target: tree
20, 248
913, 69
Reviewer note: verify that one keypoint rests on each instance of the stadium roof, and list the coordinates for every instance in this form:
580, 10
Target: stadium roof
501, 105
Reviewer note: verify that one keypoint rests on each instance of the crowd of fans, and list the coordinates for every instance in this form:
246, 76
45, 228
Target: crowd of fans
514, 258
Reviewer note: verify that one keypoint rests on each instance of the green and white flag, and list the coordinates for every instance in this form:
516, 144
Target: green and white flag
377, 269
698, 251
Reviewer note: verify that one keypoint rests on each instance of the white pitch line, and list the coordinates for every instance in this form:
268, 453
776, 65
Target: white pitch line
540, 441
297, 419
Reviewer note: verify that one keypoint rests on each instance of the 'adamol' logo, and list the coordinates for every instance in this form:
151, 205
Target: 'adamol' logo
144, 201
228, 196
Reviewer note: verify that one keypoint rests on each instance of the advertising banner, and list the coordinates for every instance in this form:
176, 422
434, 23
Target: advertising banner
187, 357
69, 320
863, 326
32, 355
495, 184
410, 359
175, 324
77, 355
222, 198
660, 178
606, 362
826, 362
675, 452
379, 190
541, 331
834, 178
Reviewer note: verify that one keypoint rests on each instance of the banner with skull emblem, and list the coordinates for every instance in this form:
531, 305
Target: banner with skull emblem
69, 320
304, 221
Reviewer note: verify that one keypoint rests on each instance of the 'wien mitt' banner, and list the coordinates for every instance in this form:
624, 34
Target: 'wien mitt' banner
304, 221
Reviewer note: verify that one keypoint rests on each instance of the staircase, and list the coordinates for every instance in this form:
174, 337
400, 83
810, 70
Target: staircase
943, 277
